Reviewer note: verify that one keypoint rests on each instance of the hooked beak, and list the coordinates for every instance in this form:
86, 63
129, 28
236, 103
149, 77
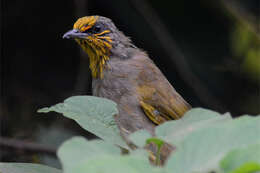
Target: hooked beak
74, 33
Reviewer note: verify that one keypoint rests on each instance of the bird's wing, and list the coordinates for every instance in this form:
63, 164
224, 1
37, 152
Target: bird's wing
159, 100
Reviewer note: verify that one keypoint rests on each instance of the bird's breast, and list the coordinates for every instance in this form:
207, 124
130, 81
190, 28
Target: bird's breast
120, 83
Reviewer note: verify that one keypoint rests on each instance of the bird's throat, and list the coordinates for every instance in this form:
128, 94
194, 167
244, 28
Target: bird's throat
97, 59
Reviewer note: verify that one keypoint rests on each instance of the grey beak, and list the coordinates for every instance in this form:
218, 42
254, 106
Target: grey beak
74, 33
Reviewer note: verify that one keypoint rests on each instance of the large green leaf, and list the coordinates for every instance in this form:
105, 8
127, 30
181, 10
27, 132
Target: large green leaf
94, 114
244, 160
26, 168
80, 156
193, 120
202, 137
202, 149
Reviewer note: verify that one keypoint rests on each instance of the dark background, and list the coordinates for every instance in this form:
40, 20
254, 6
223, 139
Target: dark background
209, 50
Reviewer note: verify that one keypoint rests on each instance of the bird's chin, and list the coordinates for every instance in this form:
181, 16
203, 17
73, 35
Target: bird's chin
81, 41
86, 44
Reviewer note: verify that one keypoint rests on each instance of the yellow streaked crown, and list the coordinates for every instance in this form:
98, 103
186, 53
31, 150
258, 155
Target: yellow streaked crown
84, 23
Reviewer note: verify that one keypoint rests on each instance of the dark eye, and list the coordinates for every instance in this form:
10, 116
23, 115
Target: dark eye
96, 29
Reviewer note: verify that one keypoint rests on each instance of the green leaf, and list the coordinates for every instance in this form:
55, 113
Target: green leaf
244, 160
26, 168
139, 137
159, 143
143, 137
250, 167
202, 149
94, 114
81, 156
193, 120
79, 150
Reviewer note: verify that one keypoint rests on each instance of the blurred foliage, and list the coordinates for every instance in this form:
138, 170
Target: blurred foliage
246, 47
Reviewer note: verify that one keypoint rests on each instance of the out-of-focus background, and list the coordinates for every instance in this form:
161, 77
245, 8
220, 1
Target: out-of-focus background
209, 50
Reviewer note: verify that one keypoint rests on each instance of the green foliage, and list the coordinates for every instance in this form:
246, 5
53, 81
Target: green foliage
205, 141
81, 156
245, 46
176, 131
26, 168
251, 167
77, 152
204, 137
203, 148
246, 160
94, 114
139, 137
159, 143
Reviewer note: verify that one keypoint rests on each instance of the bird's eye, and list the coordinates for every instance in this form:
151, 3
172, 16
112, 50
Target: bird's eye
96, 28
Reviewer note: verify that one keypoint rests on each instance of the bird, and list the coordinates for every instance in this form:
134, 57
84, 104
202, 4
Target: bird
125, 74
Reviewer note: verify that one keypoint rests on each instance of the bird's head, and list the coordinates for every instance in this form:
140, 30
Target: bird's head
97, 36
